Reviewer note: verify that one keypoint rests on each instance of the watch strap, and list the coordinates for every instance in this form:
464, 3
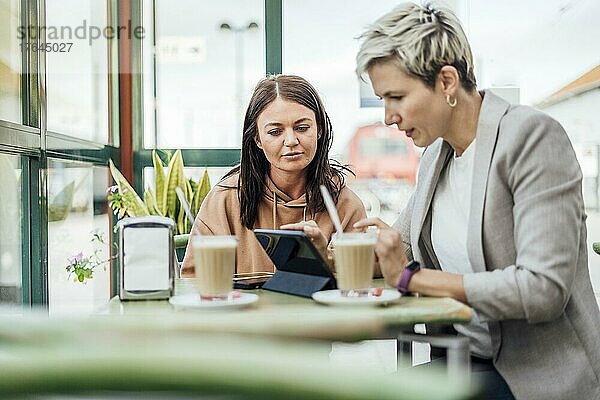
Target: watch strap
406, 275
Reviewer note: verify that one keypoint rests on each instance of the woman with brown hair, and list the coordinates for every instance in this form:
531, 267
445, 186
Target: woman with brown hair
285, 148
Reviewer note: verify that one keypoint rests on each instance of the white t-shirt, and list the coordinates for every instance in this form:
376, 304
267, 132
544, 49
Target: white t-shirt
449, 222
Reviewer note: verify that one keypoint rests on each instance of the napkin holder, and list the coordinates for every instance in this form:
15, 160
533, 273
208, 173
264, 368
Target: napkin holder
146, 262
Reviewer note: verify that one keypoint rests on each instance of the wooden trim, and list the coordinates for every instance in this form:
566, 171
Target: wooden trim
125, 93
125, 114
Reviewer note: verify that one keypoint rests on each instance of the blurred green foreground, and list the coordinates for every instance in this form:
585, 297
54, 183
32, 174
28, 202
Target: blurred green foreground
118, 356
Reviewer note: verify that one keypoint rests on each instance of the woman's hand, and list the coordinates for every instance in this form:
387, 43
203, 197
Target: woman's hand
312, 231
389, 249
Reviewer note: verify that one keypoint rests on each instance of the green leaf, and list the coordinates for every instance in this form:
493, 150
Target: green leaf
193, 184
131, 201
175, 179
150, 201
181, 219
189, 192
160, 184
200, 193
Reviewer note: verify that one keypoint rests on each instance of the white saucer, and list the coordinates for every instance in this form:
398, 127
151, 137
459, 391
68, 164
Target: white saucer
334, 298
193, 301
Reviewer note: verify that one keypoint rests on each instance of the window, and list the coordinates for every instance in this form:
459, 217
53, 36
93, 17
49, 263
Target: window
10, 61
68, 78
77, 72
11, 245
200, 69
547, 57
76, 210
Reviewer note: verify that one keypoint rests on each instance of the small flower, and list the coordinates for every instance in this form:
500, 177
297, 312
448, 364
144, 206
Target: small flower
81, 267
112, 189
76, 259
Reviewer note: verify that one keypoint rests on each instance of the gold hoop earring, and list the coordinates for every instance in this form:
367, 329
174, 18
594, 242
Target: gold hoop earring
451, 103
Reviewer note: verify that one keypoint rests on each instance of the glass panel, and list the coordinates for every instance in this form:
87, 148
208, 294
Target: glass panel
206, 66
547, 70
547, 60
77, 209
328, 62
77, 68
11, 244
10, 60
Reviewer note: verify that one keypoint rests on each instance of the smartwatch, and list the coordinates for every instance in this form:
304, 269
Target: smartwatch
407, 275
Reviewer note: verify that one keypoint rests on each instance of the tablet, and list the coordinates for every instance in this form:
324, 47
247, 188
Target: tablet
292, 251
250, 280
301, 270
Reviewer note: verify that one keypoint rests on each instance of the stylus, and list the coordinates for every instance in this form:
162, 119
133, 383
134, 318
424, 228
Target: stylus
331, 209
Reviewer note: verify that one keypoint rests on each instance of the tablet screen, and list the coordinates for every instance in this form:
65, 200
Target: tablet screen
292, 251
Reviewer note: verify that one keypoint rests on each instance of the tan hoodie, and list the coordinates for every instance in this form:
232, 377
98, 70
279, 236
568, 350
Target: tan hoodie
220, 215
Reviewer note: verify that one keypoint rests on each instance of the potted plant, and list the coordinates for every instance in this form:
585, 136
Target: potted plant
163, 199
160, 200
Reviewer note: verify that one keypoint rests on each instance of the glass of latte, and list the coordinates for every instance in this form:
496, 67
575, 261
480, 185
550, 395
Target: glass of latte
354, 262
214, 259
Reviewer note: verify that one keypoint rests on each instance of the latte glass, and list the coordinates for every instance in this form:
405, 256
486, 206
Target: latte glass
214, 259
354, 262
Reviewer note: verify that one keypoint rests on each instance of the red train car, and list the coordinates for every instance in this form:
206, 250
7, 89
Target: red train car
379, 151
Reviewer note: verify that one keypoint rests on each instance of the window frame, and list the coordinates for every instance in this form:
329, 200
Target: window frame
32, 141
35, 144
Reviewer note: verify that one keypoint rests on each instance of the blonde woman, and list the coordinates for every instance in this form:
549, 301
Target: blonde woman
497, 220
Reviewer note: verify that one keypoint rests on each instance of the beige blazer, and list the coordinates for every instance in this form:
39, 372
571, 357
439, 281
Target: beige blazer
527, 244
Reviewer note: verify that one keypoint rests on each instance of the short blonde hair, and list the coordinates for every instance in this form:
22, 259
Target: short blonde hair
420, 39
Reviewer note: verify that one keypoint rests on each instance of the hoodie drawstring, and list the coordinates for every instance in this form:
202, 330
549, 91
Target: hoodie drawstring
274, 210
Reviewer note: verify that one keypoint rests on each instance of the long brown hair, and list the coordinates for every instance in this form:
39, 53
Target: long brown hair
254, 166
